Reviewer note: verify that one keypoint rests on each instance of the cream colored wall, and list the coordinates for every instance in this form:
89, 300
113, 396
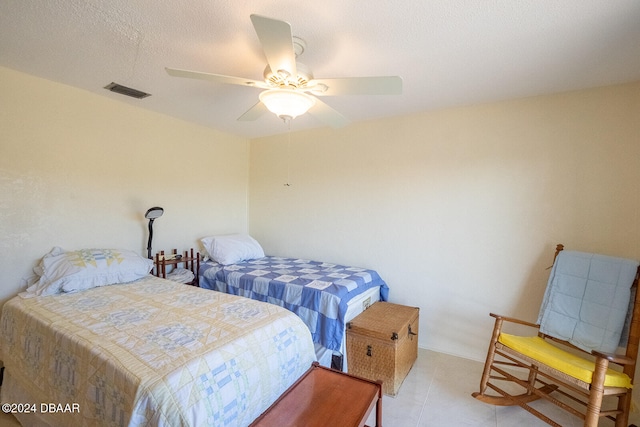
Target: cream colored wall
79, 170
458, 210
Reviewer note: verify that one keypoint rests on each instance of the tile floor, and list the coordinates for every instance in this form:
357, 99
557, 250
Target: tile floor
437, 393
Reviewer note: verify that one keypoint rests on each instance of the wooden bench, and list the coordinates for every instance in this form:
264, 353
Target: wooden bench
325, 397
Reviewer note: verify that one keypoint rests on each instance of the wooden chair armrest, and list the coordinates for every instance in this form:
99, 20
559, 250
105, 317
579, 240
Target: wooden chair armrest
514, 320
619, 359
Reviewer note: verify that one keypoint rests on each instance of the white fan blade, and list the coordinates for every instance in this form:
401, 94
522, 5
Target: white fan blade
253, 113
277, 43
328, 115
382, 85
218, 78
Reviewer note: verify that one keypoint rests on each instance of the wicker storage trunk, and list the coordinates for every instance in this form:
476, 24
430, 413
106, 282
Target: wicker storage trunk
382, 344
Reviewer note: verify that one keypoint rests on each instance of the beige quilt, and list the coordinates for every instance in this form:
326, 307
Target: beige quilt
151, 353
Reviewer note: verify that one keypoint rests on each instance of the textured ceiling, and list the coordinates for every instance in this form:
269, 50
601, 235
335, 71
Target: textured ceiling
448, 52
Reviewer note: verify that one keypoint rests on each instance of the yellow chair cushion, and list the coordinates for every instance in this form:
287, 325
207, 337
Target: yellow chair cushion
563, 361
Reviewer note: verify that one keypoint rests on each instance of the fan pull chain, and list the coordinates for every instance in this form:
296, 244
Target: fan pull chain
288, 122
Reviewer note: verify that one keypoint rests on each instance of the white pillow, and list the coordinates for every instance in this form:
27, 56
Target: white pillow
232, 248
62, 271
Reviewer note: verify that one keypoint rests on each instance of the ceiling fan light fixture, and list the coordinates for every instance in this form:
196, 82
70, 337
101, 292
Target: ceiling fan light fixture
287, 103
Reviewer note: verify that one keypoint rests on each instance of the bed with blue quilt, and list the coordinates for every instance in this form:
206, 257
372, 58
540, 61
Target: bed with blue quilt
110, 345
324, 295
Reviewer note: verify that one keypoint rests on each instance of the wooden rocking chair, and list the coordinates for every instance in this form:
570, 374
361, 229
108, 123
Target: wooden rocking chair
543, 366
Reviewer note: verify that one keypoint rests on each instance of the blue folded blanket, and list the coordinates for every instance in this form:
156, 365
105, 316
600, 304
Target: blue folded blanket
587, 300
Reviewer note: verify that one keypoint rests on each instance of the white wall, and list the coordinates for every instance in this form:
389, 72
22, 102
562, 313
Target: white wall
79, 170
458, 210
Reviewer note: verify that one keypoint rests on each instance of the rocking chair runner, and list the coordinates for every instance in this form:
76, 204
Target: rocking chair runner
571, 378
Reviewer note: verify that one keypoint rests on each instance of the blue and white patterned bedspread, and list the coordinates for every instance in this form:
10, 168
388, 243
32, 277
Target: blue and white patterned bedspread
318, 292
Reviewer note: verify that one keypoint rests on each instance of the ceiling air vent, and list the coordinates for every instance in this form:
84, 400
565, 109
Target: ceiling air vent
123, 90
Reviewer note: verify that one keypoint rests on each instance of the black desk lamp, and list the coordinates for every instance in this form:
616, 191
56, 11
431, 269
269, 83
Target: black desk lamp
152, 213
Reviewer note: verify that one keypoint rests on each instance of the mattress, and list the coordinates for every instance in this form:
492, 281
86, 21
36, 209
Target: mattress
318, 292
152, 353
355, 306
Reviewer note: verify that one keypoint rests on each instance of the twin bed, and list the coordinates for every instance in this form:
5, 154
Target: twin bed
155, 352
325, 296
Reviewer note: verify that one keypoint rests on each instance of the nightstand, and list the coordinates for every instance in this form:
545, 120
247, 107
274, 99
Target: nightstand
189, 260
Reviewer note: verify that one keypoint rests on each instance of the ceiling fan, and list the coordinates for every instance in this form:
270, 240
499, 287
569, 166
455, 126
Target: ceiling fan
289, 87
